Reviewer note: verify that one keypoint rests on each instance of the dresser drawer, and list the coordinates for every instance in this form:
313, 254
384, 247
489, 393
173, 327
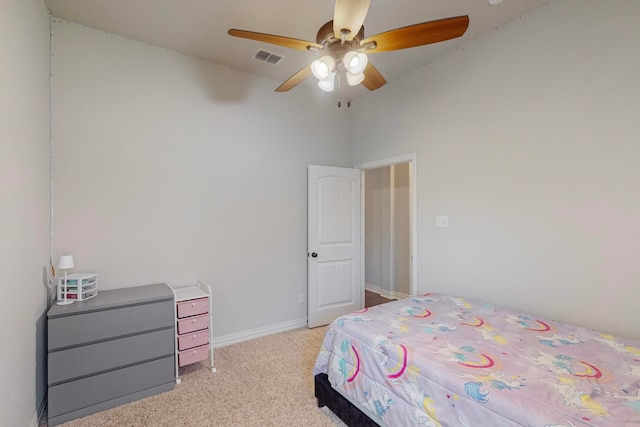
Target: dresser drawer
194, 339
90, 359
70, 396
194, 323
85, 328
193, 355
193, 307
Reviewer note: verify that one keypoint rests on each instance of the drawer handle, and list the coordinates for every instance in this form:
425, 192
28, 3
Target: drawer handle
194, 337
193, 321
193, 304
195, 351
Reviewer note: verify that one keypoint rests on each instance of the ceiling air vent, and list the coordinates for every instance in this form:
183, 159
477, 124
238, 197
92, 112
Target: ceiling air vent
268, 57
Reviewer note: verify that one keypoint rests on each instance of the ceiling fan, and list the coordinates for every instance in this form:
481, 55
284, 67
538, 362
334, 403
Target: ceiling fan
343, 46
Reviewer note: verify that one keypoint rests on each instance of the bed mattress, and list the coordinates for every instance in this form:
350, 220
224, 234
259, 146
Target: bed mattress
438, 360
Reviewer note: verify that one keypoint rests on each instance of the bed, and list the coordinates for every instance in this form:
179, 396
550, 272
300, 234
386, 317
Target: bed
438, 360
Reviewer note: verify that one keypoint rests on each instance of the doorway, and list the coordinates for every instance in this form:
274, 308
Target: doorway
389, 210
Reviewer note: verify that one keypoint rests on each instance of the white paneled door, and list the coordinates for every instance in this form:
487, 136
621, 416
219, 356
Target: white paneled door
334, 259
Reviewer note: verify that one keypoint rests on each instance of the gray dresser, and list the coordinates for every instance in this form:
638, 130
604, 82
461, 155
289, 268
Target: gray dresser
108, 350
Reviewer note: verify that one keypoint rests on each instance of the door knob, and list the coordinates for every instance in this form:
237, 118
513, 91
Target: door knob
314, 255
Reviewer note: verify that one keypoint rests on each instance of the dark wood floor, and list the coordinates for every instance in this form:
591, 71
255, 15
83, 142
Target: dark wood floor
372, 298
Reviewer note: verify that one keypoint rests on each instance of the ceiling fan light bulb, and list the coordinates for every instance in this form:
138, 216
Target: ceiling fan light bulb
355, 79
322, 67
319, 69
355, 62
328, 84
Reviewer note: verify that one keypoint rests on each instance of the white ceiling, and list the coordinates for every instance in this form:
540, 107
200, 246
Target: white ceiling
199, 28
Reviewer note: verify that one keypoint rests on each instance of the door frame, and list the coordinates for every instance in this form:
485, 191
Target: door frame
412, 159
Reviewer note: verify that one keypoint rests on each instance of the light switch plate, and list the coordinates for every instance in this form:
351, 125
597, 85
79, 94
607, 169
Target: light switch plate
442, 221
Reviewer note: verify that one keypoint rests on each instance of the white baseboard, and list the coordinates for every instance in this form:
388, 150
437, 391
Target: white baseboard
251, 334
372, 288
385, 293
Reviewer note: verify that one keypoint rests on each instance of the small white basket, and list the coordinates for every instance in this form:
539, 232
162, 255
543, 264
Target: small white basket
80, 287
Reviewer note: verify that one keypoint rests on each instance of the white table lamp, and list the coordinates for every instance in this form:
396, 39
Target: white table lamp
65, 263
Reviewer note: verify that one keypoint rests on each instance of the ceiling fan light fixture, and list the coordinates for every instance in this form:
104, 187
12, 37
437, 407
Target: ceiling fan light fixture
355, 79
342, 45
323, 67
355, 62
329, 83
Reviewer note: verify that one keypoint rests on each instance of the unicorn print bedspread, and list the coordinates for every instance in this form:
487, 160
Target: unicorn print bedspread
437, 360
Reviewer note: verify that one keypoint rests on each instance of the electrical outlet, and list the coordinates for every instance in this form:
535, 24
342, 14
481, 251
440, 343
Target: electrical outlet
301, 298
442, 221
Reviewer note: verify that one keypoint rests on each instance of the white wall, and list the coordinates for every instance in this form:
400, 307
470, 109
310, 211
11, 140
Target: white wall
24, 206
527, 138
376, 236
169, 169
401, 229
387, 230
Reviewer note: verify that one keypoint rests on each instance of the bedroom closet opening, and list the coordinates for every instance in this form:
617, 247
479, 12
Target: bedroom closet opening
388, 234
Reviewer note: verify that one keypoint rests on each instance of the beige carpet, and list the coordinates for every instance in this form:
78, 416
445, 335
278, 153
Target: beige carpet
262, 382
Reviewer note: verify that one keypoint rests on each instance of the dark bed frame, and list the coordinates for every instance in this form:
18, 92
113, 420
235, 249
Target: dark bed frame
349, 414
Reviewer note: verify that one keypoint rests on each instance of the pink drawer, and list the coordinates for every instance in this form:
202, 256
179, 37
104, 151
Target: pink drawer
193, 307
193, 355
194, 323
195, 339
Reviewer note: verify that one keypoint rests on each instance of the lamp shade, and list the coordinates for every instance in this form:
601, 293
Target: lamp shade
355, 62
354, 79
65, 262
328, 84
322, 67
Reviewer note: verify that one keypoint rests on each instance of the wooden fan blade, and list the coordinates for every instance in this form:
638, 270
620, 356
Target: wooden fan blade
294, 80
418, 34
349, 15
279, 40
372, 78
